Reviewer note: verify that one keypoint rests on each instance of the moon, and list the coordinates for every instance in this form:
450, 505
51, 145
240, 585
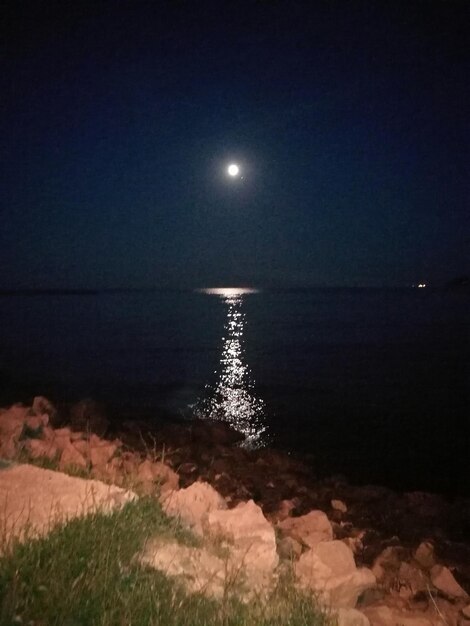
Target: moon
233, 169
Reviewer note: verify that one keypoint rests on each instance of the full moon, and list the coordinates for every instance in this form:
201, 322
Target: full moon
233, 169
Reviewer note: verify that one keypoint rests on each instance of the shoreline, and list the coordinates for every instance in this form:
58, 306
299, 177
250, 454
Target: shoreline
386, 530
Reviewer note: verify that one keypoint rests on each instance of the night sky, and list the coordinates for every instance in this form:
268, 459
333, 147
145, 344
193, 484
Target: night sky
349, 121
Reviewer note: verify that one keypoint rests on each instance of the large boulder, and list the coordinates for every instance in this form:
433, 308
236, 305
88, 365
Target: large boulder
33, 500
253, 541
199, 570
329, 570
193, 504
308, 529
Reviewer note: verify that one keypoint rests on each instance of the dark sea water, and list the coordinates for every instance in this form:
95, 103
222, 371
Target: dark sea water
373, 383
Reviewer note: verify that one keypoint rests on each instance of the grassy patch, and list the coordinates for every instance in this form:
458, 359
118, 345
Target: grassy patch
84, 574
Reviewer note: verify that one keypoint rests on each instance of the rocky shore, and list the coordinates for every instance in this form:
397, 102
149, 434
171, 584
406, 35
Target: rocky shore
378, 556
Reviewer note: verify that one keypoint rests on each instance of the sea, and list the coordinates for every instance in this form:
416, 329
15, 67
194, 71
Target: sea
370, 384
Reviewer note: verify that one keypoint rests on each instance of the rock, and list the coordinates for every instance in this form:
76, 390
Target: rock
33, 500
338, 505
289, 548
36, 423
387, 563
87, 415
411, 580
443, 579
144, 472
71, 457
200, 571
37, 448
112, 472
192, 505
283, 511
424, 554
309, 529
215, 432
12, 423
385, 616
466, 611
82, 446
167, 479
61, 438
157, 473
329, 570
354, 544
43, 406
254, 542
351, 617
245, 520
102, 452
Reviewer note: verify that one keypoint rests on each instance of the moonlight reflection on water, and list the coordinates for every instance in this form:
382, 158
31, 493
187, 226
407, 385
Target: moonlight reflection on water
232, 399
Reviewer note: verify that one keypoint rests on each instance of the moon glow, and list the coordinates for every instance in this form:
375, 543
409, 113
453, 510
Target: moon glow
233, 169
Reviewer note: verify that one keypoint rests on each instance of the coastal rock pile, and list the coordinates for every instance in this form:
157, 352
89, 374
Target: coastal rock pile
374, 556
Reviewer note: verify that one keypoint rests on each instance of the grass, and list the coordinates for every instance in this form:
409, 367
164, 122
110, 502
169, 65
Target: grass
85, 574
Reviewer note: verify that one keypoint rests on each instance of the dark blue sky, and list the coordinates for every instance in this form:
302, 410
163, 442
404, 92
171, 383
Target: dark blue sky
350, 120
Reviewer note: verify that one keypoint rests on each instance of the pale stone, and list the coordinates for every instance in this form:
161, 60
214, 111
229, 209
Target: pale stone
71, 457
385, 616
33, 500
329, 570
339, 505
62, 439
37, 448
165, 476
254, 541
309, 529
200, 571
443, 579
424, 554
157, 473
102, 453
191, 505
245, 520
351, 617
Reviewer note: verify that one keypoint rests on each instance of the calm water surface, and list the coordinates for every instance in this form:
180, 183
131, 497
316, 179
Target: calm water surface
373, 383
